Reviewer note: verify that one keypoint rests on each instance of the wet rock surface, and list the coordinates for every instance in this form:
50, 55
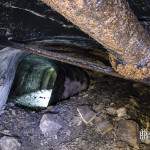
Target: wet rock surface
61, 127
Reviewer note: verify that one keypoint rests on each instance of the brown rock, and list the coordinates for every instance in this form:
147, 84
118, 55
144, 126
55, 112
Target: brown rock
127, 131
121, 112
104, 127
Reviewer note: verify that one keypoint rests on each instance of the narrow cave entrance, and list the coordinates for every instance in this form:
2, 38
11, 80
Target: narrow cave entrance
40, 82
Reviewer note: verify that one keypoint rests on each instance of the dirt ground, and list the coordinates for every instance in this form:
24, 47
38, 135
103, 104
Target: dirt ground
62, 127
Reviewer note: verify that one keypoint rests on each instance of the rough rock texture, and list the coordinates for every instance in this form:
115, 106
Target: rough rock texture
9, 143
104, 94
128, 131
48, 127
113, 24
9, 59
86, 114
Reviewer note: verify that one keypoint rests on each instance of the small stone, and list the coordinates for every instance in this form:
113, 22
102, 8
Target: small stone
49, 126
9, 143
121, 112
86, 114
99, 107
127, 131
111, 111
104, 127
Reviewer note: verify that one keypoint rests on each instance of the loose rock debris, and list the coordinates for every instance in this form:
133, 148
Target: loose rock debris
66, 129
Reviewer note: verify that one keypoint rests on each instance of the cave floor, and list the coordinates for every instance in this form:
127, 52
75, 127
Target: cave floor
60, 127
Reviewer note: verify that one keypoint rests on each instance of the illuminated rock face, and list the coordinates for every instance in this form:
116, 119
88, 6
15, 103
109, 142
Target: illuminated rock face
39, 99
40, 82
34, 82
34, 73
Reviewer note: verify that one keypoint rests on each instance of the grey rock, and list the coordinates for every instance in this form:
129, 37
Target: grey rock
49, 126
104, 127
86, 114
9, 143
9, 59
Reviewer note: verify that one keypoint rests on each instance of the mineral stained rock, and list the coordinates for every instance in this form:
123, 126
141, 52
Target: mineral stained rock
128, 131
113, 24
